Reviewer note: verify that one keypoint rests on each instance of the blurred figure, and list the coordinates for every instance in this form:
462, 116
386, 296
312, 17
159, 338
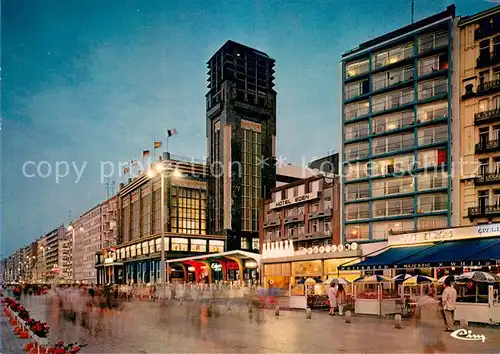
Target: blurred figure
429, 319
449, 300
341, 299
332, 297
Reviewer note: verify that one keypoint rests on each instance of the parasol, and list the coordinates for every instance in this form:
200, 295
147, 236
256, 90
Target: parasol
443, 278
310, 281
419, 279
401, 277
482, 277
373, 279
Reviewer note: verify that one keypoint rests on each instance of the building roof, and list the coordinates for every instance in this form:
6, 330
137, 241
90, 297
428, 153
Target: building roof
230, 44
450, 11
464, 21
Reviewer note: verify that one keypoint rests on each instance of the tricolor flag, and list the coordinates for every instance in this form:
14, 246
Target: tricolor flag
157, 144
145, 154
171, 132
126, 170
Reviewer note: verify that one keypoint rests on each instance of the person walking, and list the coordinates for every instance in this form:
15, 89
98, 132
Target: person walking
341, 299
332, 297
428, 318
449, 301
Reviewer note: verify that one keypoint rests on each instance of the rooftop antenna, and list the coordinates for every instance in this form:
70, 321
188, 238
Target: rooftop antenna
412, 9
112, 188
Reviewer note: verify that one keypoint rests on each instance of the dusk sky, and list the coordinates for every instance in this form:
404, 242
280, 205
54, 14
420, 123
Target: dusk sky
95, 80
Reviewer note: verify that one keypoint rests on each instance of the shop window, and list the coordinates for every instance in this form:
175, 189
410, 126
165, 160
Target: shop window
179, 244
198, 245
216, 246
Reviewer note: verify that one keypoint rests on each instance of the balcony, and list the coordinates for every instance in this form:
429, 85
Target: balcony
487, 178
488, 87
487, 116
294, 218
487, 211
273, 221
487, 146
311, 235
320, 214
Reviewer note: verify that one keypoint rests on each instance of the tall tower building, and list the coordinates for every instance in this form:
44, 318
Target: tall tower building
241, 132
400, 131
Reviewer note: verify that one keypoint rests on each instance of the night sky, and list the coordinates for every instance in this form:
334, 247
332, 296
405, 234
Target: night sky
91, 81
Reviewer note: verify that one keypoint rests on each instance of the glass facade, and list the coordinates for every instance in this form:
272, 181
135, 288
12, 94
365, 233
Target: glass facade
396, 135
251, 164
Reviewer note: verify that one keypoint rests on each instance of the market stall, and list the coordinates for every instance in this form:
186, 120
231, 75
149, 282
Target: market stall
477, 297
375, 295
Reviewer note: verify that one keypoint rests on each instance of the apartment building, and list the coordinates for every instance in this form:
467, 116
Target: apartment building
306, 211
480, 117
397, 139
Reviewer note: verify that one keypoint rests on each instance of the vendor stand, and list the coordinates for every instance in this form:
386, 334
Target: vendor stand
375, 295
477, 297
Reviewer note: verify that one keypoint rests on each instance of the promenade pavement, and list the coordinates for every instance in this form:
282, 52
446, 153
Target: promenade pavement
145, 327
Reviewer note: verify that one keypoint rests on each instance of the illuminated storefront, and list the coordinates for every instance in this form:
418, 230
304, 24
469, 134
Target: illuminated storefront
287, 269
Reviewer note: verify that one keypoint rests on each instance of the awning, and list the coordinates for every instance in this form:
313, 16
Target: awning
387, 259
212, 256
463, 253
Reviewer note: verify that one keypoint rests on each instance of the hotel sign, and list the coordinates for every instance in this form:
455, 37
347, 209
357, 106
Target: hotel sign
459, 233
293, 200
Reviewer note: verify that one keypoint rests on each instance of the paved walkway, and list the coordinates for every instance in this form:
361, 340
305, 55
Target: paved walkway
145, 327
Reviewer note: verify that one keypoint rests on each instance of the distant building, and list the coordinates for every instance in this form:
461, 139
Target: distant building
328, 164
51, 253
241, 132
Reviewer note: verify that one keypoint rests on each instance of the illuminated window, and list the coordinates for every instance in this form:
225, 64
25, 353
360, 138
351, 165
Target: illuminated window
179, 244
251, 173
156, 207
215, 246
198, 245
146, 213
188, 210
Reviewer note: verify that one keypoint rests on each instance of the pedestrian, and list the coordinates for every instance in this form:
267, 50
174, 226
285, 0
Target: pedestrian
92, 293
428, 318
341, 299
332, 297
449, 300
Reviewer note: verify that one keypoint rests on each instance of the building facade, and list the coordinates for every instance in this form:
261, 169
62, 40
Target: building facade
397, 133
51, 253
65, 261
86, 236
306, 211
136, 257
241, 132
480, 117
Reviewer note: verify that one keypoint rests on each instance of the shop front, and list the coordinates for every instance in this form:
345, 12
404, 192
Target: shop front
299, 276
437, 254
240, 266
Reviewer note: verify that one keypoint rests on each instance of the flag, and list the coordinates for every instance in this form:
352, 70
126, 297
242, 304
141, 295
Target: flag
171, 132
157, 144
126, 170
145, 153
133, 163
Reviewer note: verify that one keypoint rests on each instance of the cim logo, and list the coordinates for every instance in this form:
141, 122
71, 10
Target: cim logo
464, 334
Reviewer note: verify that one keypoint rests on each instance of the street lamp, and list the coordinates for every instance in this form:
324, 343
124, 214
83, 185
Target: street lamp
160, 168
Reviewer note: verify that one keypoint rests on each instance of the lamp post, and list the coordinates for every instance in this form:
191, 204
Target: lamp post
160, 168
